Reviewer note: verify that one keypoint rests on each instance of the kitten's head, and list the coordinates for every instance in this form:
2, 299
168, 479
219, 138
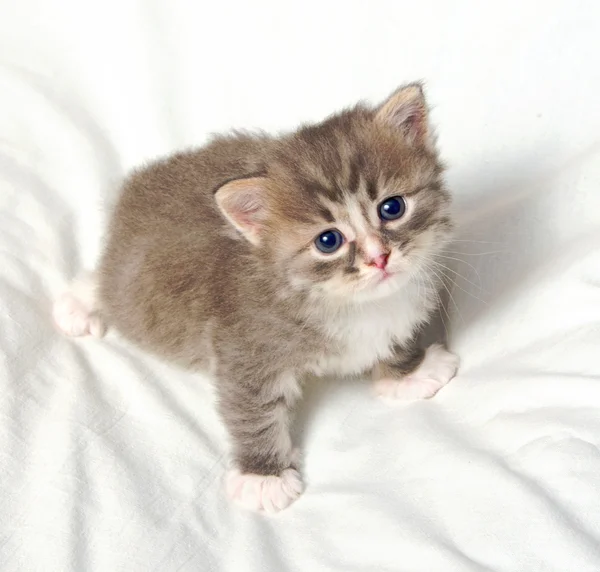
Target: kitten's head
350, 208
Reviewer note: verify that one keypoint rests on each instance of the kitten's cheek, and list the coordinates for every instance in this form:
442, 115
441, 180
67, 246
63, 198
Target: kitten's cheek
398, 264
395, 258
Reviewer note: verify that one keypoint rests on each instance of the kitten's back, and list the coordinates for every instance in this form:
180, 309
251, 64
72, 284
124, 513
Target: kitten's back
165, 236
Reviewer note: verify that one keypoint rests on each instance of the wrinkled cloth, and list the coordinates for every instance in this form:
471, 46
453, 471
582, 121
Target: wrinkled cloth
113, 461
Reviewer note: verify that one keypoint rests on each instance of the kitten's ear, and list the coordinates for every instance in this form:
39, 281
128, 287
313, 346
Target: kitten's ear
406, 111
244, 204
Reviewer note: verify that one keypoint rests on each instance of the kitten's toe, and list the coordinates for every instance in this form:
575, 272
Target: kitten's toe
264, 493
438, 367
407, 389
74, 318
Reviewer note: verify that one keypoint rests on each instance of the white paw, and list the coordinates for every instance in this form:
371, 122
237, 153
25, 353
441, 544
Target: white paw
437, 368
264, 493
74, 318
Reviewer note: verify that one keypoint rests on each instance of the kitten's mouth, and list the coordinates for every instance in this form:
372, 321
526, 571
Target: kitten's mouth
383, 276
387, 276
387, 273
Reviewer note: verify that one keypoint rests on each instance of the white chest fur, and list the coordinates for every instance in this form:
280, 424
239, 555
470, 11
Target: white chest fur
366, 334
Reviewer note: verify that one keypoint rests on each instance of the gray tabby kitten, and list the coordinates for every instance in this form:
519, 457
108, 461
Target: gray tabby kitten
260, 259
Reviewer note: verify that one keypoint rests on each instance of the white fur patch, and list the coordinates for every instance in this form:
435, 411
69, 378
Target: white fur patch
264, 493
438, 367
75, 313
359, 224
367, 332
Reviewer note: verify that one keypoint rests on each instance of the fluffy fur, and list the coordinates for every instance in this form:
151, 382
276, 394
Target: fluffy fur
210, 262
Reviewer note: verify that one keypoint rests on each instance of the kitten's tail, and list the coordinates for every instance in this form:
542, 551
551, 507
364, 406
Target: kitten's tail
76, 311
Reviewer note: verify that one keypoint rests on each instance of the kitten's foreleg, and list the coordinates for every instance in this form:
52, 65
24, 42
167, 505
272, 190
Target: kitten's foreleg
413, 373
257, 416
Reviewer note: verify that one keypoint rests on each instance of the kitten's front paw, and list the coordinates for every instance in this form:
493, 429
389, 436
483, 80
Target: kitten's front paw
264, 493
438, 367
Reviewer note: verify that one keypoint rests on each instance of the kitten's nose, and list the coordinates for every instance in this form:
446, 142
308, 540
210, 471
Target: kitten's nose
380, 261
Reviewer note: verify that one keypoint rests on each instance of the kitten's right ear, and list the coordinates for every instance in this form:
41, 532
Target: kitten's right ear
243, 203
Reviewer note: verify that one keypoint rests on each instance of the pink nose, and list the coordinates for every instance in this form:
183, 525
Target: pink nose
380, 261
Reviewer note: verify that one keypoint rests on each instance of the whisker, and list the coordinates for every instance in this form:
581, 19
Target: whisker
449, 294
471, 294
475, 241
440, 305
427, 263
474, 253
454, 283
464, 262
478, 286
457, 259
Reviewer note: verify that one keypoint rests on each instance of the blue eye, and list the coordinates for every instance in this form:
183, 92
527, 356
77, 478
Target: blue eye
392, 209
329, 241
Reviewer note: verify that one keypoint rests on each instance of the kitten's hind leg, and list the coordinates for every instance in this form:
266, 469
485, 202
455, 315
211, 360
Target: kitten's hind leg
76, 311
257, 415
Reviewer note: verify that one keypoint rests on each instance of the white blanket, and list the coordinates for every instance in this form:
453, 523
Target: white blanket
111, 461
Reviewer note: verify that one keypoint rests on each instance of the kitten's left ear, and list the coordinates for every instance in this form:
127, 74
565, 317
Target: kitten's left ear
243, 202
406, 110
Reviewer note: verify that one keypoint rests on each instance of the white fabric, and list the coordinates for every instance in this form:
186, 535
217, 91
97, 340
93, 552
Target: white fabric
111, 461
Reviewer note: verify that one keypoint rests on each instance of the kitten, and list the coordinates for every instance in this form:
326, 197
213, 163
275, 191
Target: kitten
260, 259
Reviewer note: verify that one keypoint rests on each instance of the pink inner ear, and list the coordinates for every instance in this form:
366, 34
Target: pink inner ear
414, 123
248, 214
247, 205
410, 122
244, 204
406, 111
